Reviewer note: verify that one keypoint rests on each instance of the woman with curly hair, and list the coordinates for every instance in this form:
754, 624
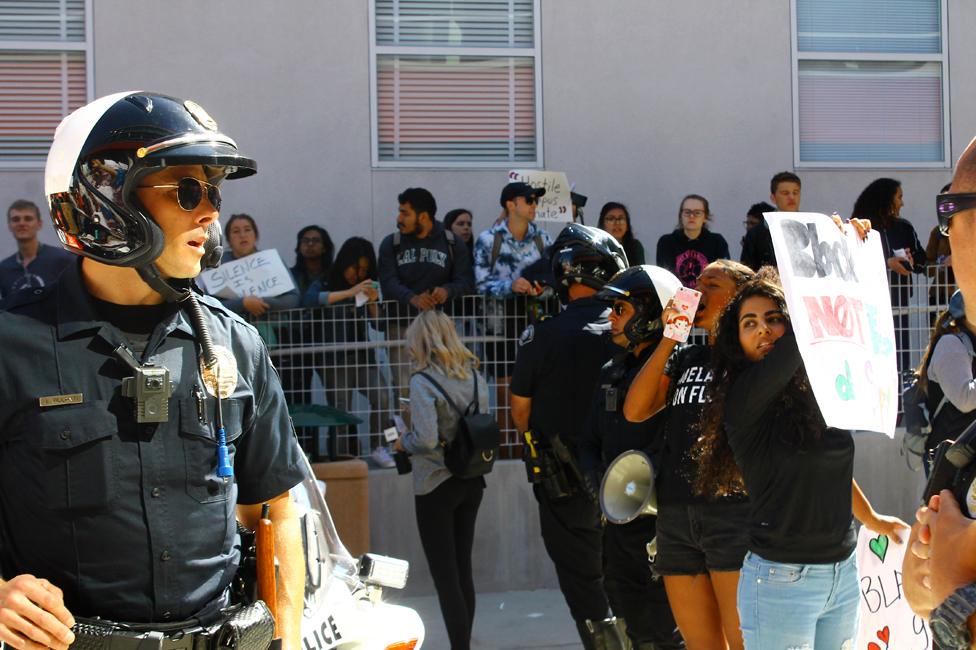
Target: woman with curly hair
700, 540
764, 435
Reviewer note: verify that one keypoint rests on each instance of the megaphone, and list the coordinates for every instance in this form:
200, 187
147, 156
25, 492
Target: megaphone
627, 489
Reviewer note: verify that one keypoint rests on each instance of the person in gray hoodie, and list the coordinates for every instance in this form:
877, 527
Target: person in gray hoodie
421, 264
446, 505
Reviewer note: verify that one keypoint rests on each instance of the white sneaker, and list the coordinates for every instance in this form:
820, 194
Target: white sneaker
381, 456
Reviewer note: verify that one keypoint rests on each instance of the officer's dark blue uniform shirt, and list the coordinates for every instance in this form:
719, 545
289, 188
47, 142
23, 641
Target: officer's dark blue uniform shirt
129, 520
608, 433
558, 364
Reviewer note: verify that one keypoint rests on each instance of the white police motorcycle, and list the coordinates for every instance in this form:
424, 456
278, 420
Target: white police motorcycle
343, 597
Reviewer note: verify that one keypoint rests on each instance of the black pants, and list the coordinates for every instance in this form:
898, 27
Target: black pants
445, 519
635, 595
572, 535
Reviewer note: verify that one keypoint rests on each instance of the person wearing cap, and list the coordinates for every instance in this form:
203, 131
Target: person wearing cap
139, 420
555, 374
637, 299
503, 251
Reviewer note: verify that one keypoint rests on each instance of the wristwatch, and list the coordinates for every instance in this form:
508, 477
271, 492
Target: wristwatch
948, 620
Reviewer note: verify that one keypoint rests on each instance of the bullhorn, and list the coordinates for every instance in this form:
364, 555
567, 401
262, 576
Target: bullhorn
627, 490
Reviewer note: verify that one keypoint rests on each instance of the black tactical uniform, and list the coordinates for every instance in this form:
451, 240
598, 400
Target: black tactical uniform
130, 520
635, 593
557, 366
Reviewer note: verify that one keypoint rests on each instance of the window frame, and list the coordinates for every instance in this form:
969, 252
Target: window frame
85, 46
943, 58
500, 53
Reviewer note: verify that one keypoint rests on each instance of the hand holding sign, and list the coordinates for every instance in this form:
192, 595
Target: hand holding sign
836, 287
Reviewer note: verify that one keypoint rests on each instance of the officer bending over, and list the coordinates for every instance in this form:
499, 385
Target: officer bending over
137, 418
556, 369
638, 296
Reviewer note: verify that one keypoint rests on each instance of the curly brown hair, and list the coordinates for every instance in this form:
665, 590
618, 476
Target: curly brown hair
795, 410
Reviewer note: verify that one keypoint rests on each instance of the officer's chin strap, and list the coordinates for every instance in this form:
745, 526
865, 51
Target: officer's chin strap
181, 292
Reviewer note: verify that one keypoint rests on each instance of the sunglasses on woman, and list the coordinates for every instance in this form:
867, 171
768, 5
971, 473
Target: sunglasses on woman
189, 192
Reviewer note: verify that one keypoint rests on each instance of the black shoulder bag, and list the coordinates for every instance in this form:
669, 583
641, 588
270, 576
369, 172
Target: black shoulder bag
474, 448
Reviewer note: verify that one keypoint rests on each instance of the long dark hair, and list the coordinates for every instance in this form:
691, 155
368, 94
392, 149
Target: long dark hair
876, 202
795, 409
349, 253
615, 205
328, 249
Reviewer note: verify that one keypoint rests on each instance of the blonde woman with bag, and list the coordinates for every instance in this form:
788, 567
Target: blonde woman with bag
446, 505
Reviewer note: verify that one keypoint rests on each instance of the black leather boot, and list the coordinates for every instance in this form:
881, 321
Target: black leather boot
602, 635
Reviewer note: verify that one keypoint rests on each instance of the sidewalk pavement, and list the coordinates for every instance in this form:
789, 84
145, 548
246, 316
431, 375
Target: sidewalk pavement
510, 620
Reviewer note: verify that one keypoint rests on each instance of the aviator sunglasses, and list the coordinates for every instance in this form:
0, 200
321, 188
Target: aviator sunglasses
189, 192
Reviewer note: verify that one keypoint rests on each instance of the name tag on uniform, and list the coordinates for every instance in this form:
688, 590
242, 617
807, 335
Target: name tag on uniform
61, 400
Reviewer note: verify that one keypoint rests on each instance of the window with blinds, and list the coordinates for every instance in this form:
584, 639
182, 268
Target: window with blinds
870, 86
455, 83
44, 61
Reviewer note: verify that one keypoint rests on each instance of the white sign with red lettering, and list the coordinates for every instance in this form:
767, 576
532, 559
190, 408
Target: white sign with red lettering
837, 291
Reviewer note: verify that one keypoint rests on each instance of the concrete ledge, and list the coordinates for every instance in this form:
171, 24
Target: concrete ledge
508, 550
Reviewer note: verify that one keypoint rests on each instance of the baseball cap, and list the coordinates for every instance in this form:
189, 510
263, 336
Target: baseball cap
512, 190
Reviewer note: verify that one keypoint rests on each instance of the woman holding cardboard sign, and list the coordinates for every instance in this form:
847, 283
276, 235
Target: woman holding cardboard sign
241, 233
764, 435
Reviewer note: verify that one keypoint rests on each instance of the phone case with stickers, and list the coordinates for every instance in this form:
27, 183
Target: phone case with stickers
685, 302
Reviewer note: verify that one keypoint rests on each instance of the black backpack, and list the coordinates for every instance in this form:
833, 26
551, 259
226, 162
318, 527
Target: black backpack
473, 451
919, 414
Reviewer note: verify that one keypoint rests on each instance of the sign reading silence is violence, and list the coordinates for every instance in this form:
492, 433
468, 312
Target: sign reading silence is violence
836, 288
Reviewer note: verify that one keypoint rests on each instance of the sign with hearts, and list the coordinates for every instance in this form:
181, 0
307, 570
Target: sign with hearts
887, 622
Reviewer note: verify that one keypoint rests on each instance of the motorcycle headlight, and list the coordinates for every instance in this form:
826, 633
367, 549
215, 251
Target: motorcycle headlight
383, 571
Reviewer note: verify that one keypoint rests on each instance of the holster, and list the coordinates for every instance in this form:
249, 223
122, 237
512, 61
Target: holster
544, 467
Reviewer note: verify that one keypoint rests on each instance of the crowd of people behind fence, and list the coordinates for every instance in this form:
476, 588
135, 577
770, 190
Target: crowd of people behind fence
429, 263
426, 266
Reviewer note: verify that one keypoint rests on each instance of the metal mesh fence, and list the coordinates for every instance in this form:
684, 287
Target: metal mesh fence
352, 358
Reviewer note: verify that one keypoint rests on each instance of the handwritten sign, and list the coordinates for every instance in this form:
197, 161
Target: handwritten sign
261, 274
556, 205
886, 621
837, 290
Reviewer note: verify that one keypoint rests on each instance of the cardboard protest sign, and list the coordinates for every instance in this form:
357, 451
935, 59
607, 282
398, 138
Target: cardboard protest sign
261, 274
837, 290
556, 205
886, 621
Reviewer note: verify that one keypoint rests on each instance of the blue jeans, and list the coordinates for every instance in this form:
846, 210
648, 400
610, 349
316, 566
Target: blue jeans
803, 606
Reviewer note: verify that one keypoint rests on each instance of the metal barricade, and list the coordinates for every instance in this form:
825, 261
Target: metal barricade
353, 358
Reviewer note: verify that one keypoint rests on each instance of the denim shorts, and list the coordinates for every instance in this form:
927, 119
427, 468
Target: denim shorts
798, 605
698, 538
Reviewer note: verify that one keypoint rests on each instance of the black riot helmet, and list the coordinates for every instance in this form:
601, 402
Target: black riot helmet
585, 255
648, 289
102, 152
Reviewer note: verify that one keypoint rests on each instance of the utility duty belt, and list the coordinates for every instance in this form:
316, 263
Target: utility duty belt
550, 463
248, 627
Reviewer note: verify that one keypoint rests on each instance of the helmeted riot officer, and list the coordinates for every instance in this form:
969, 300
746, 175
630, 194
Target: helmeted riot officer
137, 417
637, 297
556, 369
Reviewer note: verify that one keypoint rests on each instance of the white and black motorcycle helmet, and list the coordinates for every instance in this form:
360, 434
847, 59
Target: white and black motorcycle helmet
100, 155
